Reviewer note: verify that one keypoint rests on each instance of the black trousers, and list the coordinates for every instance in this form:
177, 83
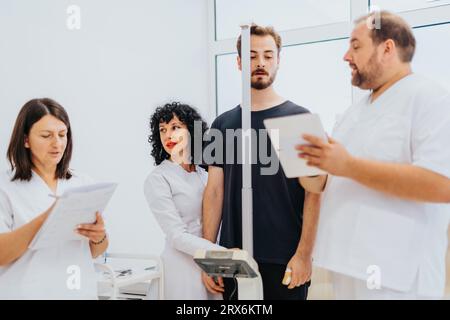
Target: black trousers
272, 275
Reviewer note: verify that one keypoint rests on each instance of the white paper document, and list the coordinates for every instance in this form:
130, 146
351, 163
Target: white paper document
76, 206
285, 133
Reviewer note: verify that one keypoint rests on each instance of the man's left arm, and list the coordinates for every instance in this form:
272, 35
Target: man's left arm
301, 263
314, 184
406, 181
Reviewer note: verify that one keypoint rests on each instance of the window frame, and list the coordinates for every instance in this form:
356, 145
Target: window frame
419, 18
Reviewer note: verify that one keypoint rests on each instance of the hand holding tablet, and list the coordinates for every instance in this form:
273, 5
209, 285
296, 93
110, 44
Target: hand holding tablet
286, 133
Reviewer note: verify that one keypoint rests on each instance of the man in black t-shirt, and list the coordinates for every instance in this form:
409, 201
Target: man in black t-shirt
284, 215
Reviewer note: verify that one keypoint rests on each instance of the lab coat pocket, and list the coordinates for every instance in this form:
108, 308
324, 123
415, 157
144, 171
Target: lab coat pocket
388, 140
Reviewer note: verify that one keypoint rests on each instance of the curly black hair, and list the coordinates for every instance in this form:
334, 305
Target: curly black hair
163, 114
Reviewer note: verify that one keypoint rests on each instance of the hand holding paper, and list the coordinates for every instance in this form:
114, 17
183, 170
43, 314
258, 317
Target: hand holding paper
95, 232
75, 207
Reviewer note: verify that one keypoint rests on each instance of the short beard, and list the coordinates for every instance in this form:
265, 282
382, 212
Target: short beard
261, 84
367, 79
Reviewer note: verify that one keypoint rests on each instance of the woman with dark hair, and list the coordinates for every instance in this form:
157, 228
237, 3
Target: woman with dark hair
39, 152
174, 191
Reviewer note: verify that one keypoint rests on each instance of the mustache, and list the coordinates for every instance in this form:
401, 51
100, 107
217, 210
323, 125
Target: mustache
260, 71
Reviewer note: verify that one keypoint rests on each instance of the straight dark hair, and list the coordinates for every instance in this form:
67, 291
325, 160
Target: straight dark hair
19, 156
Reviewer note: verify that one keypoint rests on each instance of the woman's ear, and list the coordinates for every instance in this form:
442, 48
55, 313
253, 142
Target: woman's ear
26, 144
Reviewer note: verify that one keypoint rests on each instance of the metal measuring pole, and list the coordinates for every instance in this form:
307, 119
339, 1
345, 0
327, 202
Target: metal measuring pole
247, 193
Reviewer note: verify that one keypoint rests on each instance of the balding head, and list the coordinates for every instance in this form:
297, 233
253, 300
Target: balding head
384, 26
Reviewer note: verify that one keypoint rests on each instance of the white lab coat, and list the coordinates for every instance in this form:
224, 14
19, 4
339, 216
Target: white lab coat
43, 274
360, 227
175, 198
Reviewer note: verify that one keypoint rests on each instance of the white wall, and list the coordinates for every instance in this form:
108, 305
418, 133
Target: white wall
128, 57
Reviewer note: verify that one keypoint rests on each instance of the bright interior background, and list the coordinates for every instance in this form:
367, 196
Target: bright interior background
127, 58
312, 71
314, 74
284, 14
131, 56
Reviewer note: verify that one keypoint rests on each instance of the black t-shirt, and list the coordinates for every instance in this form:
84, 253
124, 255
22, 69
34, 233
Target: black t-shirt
277, 200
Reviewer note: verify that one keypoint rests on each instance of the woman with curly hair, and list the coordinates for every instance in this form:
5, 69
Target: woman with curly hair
174, 191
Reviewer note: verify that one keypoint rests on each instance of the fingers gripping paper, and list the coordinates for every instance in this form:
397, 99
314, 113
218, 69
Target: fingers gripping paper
285, 133
76, 206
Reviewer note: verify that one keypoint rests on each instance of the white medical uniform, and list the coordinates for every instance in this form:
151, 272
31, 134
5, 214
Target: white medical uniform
46, 273
362, 231
175, 198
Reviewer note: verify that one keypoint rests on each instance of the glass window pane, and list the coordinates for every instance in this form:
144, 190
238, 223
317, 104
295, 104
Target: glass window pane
313, 76
407, 5
228, 83
431, 59
282, 14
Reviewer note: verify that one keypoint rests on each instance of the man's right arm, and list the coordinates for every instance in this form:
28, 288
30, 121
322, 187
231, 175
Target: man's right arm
212, 203
212, 215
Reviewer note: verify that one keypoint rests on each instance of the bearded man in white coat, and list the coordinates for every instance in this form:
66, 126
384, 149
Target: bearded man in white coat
383, 223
